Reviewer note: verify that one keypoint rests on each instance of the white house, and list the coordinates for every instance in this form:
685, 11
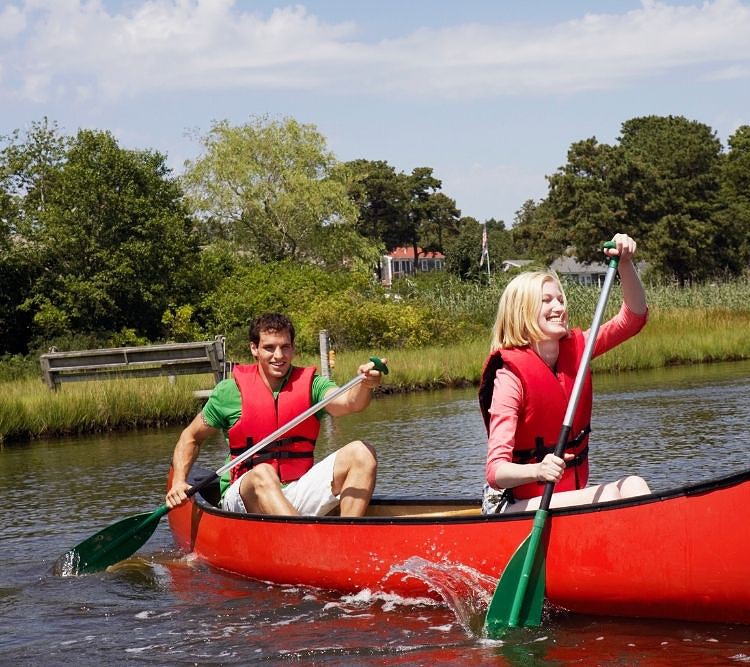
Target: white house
583, 274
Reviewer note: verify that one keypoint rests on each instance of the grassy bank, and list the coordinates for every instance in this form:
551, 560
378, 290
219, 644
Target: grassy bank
29, 410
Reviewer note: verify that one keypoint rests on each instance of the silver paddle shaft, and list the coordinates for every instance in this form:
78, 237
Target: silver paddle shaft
588, 349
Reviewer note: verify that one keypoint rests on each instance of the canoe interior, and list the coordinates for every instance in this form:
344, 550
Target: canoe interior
379, 507
386, 507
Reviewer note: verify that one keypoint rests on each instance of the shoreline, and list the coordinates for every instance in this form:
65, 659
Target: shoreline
29, 411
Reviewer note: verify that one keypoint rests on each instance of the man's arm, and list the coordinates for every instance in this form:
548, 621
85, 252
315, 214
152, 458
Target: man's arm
358, 397
185, 453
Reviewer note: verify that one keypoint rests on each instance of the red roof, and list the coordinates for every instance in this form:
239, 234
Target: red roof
408, 253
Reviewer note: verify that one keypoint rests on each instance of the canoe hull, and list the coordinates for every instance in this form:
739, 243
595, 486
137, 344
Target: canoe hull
679, 555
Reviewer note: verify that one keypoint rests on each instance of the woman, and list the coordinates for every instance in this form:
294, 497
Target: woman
527, 382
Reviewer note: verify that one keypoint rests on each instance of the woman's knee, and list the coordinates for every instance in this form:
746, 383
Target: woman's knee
608, 492
633, 485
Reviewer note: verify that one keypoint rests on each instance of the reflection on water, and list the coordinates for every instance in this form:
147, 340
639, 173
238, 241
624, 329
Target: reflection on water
164, 607
425, 447
673, 426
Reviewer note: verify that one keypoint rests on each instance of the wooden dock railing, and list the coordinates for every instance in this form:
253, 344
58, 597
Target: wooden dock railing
170, 359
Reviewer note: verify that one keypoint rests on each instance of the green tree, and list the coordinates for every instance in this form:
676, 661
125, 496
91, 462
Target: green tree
380, 195
527, 228
17, 271
267, 186
734, 218
463, 250
117, 243
585, 204
440, 223
28, 168
421, 208
500, 243
662, 184
678, 166
398, 209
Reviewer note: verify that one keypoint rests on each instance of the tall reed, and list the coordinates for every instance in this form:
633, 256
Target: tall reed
694, 325
28, 409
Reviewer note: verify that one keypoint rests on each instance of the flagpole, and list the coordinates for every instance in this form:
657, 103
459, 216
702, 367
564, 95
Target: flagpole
485, 250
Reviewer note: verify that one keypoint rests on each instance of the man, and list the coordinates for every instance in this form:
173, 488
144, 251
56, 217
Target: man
281, 478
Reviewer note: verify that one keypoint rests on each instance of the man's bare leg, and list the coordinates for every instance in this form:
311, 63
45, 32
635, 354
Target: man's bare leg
260, 489
354, 474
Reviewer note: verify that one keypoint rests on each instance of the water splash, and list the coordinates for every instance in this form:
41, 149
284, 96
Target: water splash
389, 601
67, 565
465, 590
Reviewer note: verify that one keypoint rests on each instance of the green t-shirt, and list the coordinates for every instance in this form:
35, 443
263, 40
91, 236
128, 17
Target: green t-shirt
224, 405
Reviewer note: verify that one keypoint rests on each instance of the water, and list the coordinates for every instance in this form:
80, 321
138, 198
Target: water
163, 607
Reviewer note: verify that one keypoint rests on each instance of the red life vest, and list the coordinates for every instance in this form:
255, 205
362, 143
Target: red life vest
292, 455
541, 416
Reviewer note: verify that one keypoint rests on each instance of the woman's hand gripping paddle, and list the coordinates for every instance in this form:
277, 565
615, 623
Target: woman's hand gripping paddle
519, 595
122, 539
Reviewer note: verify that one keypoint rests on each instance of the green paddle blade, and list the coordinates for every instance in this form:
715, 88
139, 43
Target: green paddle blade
109, 546
519, 596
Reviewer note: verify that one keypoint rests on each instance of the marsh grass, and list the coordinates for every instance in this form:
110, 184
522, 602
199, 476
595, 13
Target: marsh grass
28, 409
671, 337
699, 324
425, 368
699, 335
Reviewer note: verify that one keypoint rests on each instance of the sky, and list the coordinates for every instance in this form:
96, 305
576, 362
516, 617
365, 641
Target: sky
490, 94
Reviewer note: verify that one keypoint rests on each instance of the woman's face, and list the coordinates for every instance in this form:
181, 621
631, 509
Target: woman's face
553, 317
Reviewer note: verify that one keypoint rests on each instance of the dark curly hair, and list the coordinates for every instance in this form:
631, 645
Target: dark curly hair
274, 322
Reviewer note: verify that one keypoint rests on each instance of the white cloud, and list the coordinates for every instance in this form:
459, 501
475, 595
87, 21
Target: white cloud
12, 22
217, 44
731, 73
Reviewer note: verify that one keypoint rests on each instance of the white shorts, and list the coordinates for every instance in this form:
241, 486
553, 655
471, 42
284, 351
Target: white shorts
494, 501
310, 495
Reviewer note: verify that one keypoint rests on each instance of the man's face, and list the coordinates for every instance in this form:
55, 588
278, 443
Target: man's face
274, 353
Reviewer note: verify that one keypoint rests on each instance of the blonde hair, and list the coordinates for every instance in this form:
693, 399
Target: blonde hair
517, 320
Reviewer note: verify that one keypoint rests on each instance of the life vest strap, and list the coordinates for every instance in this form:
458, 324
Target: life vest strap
541, 450
283, 442
531, 457
260, 457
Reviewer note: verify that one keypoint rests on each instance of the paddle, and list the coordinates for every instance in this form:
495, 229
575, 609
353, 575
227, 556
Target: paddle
519, 595
124, 538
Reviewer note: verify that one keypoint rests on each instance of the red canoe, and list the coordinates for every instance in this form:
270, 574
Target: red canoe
681, 554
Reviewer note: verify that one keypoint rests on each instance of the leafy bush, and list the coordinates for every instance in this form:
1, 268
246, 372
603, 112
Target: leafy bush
18, 366
285, 287
354, 322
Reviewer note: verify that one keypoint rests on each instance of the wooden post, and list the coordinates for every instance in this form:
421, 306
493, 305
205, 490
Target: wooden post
325, 368
47, 373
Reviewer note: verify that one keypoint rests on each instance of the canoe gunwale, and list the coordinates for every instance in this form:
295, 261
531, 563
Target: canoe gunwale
685, 490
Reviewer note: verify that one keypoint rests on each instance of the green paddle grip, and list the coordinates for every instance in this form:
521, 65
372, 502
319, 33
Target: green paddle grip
379, 365
613, 260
